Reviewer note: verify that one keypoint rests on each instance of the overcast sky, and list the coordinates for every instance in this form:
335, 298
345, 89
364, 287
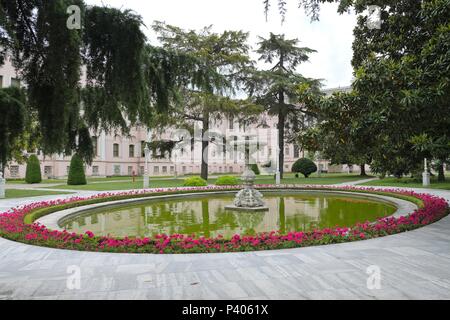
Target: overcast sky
332, 36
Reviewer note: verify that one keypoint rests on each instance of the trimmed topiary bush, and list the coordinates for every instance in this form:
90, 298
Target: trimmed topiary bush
304, 166
255, 169
195, 181
76, 172
33, 173
227, 181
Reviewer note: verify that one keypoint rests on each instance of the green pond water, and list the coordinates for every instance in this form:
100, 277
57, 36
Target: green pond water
206, 216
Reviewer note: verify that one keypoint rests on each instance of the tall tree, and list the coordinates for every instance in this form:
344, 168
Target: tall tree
226, 56
125, 77
12, 122
281, 90
402, 71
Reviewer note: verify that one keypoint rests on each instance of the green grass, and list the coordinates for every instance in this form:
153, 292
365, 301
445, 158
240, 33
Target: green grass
409, 183
325, 179
21, 181
18, 193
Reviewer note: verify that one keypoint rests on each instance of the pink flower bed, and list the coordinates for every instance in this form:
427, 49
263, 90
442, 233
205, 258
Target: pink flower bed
13, 227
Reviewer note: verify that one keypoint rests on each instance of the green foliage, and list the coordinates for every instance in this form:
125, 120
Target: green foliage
195, 182
304, 166
282, 91
76, 172
114, 56
33, 171
227, 181
12, 122
255, 169
227, 61
125, 76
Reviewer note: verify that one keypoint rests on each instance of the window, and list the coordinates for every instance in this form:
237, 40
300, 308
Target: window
131, 151
117, 170
286, 151
231, 169
164, 169
142, 149
296, 151
231, 123
115, 150
95, 171
14, 171
48, 171
142, 170
130, 170
95, 146
15, 82
172, 169
1, 81
156, 170
184, 169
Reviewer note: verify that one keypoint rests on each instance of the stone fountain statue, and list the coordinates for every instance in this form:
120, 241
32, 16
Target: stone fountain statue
248, 199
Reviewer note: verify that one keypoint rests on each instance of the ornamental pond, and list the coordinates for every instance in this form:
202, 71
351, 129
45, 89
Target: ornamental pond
205, 215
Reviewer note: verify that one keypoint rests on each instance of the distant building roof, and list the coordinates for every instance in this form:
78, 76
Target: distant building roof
330, 91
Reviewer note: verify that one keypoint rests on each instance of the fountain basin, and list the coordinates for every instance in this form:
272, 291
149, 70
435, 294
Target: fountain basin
206, 215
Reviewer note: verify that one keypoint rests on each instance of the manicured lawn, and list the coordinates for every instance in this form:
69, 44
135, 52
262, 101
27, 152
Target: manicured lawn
18, 193
408, 183
20, 181
325, 179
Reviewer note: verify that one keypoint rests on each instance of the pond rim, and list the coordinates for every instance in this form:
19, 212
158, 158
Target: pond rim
54, 220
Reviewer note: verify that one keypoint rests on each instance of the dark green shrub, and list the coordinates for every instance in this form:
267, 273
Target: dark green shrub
76, 172
304, 166
33, 173
255, 169
227, 181
195, 182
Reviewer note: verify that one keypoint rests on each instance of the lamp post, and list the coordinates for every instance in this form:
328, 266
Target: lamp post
319, 170
277, 174
146, 175
426, 175
2, 185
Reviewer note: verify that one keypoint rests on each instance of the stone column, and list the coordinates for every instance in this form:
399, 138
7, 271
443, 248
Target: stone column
2, 186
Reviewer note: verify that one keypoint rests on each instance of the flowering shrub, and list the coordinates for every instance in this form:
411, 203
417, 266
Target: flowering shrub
13, 227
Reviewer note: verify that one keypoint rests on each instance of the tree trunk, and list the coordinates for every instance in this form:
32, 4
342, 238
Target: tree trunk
363, 170
281, 124
192, 150
441, 172
205, 145
205, 219
224, 150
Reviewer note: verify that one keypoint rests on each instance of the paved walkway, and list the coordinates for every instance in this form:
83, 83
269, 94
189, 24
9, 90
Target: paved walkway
413, 265
354, 183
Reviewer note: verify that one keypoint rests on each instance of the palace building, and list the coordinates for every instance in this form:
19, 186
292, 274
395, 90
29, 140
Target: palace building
117, 155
